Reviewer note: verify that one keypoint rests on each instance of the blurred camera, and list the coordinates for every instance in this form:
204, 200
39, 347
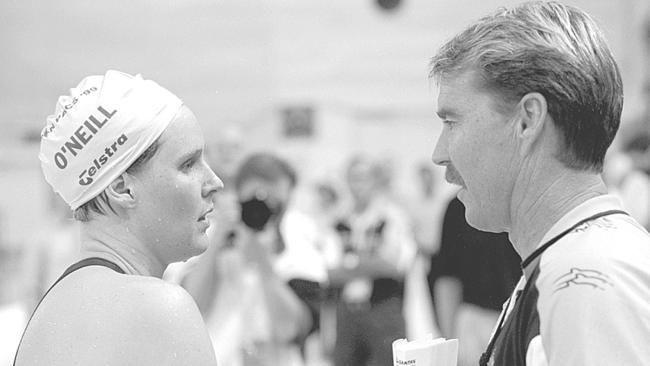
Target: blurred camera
255, 213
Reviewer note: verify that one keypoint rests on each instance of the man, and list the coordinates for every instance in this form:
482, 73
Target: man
379, 248
127, 157
530, 99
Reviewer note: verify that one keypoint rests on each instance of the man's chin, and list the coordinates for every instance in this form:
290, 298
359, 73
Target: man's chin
473, 217
481, 220
475, 222
463, 196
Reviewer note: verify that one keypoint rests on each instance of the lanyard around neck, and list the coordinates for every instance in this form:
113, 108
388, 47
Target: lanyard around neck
526, 262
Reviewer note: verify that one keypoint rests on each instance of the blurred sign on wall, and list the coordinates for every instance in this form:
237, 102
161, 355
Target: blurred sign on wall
298, 122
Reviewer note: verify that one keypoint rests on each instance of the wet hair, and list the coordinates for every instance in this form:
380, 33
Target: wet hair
100, 203
552, 49
264, 166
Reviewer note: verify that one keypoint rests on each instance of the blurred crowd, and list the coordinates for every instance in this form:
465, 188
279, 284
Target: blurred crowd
323, 272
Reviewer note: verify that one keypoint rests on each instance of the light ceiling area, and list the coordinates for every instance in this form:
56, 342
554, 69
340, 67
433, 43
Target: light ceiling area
236, 61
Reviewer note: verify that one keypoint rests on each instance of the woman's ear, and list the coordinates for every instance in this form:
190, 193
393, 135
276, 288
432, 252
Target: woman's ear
121, 191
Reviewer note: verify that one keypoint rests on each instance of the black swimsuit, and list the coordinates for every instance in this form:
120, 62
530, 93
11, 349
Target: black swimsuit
81, 264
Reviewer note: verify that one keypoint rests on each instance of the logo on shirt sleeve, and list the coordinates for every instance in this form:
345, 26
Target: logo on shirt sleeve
583, 277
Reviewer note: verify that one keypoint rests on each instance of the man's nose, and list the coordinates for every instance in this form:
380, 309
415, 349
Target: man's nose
440, 154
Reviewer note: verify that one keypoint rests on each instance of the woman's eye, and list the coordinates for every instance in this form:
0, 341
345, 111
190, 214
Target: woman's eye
188, 164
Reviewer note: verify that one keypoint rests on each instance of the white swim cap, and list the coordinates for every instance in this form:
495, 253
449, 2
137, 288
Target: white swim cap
99, 130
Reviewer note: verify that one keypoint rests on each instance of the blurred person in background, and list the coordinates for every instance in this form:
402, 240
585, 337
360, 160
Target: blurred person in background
14, 301
634, 187
127, 156
531, 98
328, 203
328, 211
476, 272
378, 251
627, 165
259, 285
226, 153
426, 208
57, 242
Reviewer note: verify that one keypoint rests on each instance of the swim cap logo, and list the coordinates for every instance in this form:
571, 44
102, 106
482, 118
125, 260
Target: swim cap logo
81, 136
100, 161
46, 131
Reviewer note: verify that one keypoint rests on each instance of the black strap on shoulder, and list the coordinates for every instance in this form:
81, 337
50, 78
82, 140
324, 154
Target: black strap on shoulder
94, 261
485, 357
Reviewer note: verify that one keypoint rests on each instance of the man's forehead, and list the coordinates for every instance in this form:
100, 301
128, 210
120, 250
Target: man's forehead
455, 89
460, 81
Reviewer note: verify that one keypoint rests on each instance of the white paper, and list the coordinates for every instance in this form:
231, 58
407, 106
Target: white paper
425, 351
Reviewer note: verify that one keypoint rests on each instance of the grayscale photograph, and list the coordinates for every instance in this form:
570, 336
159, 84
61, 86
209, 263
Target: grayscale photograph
325, 183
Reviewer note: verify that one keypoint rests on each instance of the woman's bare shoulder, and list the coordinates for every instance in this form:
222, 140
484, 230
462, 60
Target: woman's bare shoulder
129, 319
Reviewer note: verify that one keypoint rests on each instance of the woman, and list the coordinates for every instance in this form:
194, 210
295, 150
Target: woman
127, 156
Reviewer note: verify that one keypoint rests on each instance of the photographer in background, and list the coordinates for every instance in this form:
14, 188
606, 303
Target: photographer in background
379, 249
258, 285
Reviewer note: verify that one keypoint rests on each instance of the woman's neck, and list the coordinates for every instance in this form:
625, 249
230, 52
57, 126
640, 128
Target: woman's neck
116, 243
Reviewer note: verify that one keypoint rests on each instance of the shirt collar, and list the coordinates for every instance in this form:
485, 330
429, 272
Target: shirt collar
588, 208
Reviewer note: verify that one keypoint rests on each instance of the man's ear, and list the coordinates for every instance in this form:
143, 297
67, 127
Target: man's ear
121, 191
532, 118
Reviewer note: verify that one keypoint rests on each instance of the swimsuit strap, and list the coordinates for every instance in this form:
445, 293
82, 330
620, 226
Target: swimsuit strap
94, 261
